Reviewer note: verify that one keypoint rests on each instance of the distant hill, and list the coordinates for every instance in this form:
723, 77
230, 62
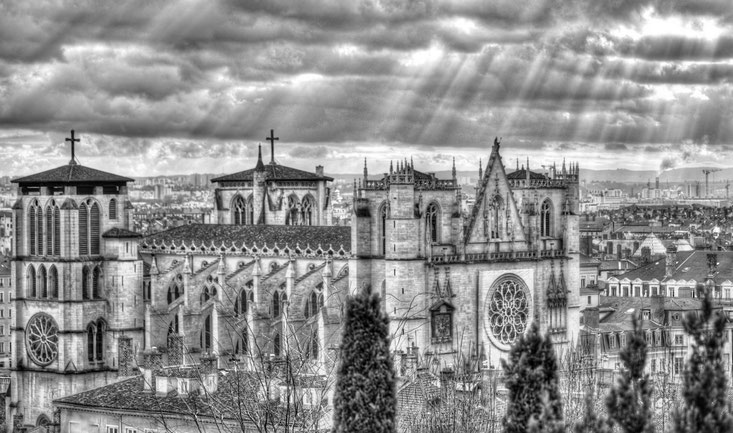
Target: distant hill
686, 174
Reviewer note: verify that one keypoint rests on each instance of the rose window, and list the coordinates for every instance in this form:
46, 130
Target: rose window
508, 311
41, 337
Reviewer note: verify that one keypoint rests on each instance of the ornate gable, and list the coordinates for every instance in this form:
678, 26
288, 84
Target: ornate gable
495, 214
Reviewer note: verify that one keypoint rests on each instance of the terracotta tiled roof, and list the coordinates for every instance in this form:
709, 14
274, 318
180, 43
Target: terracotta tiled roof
227, 235
71, 174
272, 172
120, 233
690, 265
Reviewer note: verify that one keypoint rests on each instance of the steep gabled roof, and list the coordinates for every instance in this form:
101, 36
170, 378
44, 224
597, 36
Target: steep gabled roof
522, 174
117, 232
71, 174
272, 172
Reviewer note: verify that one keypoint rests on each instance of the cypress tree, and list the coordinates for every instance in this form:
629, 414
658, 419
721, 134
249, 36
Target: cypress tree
704, 405
365, 385
531, 378
629, 401
592, 422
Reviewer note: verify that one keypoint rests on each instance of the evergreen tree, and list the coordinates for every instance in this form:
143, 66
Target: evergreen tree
530, 377
592, 422
629, 402
546, 422
704, 407
365, 385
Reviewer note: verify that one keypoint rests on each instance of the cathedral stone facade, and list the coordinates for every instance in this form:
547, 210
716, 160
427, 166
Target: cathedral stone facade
467, 285
76, 279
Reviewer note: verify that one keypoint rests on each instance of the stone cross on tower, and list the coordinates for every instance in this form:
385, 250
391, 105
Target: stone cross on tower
72, 140
272, 139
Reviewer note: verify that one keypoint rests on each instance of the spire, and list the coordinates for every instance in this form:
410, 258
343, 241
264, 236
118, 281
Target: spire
412, 164
260, 166
517, 164
480, 169
564, 171
454, 168
365, 170
355, 191
390, 167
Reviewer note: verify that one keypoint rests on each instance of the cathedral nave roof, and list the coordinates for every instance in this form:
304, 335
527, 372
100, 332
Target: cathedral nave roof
272, 172
71, 174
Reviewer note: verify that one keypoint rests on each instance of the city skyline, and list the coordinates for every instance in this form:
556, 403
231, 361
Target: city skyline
186, 87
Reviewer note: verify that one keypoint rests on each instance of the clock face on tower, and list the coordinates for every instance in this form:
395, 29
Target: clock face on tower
41, 339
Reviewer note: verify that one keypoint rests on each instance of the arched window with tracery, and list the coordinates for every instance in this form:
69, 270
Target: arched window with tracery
276, 345
242, 210
95, 340
85, 283
31, 275
53, 229
242, 303
113, 209
175, 288
89, 227
42, 282
208, 293
291, 218
276, 304
383, 228
53, 282
312, 303
205, 340
96, 283
432, 220
307, 210
35, 229
508, 310
546, 218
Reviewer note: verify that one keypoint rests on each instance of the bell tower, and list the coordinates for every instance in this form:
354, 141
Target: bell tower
76, 275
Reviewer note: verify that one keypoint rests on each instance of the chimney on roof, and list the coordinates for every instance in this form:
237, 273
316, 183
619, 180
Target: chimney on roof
319, 170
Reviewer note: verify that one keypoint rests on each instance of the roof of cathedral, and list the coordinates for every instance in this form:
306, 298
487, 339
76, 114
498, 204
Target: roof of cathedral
117, 232
255, 238
272, 172
522, 174
690, 265
71, 174
128, 395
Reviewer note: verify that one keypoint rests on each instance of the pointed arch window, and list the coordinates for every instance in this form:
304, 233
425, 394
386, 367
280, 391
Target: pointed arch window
546, 218
53, 229
35, 229
312, 304
205, 341
242, 345
31, 275
291, 218
96, 283
432, 220
241, 305
208, 293
276, 304
276, 345
95, 340
53, 282
42, 282
85, 283
89, 227
175, 289
307, 208
383, 229
242, 210
113, 209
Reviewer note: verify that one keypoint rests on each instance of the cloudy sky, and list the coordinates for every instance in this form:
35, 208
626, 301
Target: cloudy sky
163, 87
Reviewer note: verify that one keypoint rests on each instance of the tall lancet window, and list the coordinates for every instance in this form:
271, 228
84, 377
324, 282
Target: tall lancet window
546, 218
89, 227
307, 208
53, 229
383, 229
291, 218
432, 220
35, 229
494, 217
